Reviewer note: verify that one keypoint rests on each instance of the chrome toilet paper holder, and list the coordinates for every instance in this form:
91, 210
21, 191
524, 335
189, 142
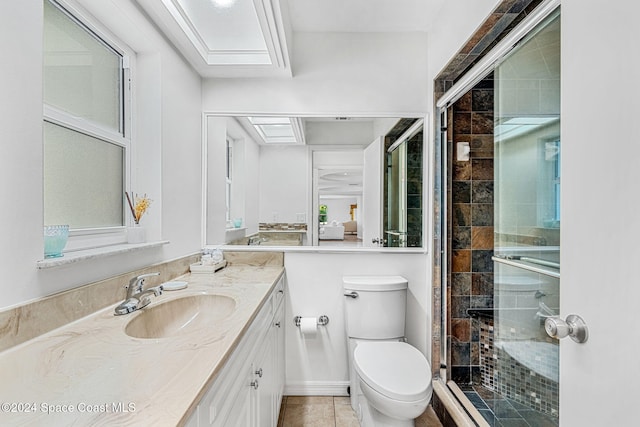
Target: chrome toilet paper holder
322, 320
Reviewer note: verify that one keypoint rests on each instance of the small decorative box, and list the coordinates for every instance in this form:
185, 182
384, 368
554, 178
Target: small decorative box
199, 268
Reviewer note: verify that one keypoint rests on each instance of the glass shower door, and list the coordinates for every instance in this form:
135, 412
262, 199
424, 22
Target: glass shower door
403, 189
396, 226
527, 147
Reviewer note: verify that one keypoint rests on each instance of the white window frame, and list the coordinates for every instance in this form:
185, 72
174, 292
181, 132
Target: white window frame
88, 238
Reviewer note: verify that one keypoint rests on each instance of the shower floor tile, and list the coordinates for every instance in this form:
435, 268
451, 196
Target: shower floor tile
501, 412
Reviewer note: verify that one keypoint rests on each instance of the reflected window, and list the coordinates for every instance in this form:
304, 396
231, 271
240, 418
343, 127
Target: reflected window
229, 178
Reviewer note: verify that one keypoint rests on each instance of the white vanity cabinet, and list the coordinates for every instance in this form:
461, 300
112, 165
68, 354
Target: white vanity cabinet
248, 390
269, 368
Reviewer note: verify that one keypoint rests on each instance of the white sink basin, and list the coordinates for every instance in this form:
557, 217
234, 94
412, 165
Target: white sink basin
180, 316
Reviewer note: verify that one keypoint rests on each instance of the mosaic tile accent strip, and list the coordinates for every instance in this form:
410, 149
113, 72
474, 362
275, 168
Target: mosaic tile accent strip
272, 226
529, 378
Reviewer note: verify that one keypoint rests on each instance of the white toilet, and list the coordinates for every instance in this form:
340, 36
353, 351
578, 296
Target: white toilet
390, 380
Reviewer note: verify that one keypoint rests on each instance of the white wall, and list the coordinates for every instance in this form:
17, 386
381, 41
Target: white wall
284, 183
167, 130
252, 186
339, 132
21, 153
371, 208
335, 73
314, 288
181, 176
216, 128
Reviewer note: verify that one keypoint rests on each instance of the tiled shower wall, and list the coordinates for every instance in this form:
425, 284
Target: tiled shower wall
526, 383
471, 233
415, 148
414, 190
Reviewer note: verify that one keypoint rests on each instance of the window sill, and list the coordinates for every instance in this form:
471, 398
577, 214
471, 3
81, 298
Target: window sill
88, 254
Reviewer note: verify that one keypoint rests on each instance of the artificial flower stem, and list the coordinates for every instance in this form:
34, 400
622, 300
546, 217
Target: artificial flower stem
133, 212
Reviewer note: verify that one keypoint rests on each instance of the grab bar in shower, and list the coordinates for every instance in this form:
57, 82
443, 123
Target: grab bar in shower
518, 262
544, 311
532, 260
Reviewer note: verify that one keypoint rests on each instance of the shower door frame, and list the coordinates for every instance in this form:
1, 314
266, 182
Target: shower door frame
463, 85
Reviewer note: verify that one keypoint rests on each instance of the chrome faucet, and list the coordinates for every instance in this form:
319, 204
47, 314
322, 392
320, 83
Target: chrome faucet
137, 296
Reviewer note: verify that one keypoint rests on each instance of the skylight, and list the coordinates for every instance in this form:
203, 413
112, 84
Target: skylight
279, 130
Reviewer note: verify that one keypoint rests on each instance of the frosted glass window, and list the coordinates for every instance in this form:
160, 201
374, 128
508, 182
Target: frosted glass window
82, 74
83, 184
85, 140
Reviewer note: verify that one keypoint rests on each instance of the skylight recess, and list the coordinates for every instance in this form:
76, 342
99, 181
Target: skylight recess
279, 130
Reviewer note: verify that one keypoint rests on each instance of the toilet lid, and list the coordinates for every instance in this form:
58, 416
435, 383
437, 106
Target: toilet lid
394, 369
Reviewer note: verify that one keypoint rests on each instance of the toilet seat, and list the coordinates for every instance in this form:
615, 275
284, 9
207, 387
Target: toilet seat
394, 369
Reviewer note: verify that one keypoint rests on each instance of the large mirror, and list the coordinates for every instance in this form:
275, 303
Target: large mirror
314, 181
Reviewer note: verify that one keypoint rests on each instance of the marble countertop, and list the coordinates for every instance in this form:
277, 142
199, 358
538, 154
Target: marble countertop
90, 372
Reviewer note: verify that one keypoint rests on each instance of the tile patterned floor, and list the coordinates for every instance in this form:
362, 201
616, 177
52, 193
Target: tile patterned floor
502, 412
331, 411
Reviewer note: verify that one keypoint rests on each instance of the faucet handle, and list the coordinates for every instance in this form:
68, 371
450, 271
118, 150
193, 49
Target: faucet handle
157, 290
135, 285
141, 277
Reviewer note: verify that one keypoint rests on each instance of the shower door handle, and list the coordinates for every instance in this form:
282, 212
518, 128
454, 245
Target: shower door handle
574, 327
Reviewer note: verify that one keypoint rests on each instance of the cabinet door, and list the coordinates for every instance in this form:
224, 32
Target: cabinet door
279, 356
193, 420
247, 393
265, 392
240, 413
232, 406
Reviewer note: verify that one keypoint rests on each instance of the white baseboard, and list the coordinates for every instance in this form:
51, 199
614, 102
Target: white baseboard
317, 388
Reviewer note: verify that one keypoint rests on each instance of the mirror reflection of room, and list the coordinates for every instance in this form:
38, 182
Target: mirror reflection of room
322, 181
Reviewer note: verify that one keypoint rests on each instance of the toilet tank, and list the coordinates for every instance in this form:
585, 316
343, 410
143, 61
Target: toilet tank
376, 307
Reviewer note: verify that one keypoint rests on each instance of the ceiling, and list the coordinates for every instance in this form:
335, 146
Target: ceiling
253, 38
372, 16
340, 182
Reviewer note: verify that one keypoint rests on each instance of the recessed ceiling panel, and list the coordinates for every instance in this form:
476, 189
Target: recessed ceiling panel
226, 38
225, 24
278, 130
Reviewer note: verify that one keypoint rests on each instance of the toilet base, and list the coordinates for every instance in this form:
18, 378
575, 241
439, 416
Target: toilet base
355, 393
404, 413
371, 417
